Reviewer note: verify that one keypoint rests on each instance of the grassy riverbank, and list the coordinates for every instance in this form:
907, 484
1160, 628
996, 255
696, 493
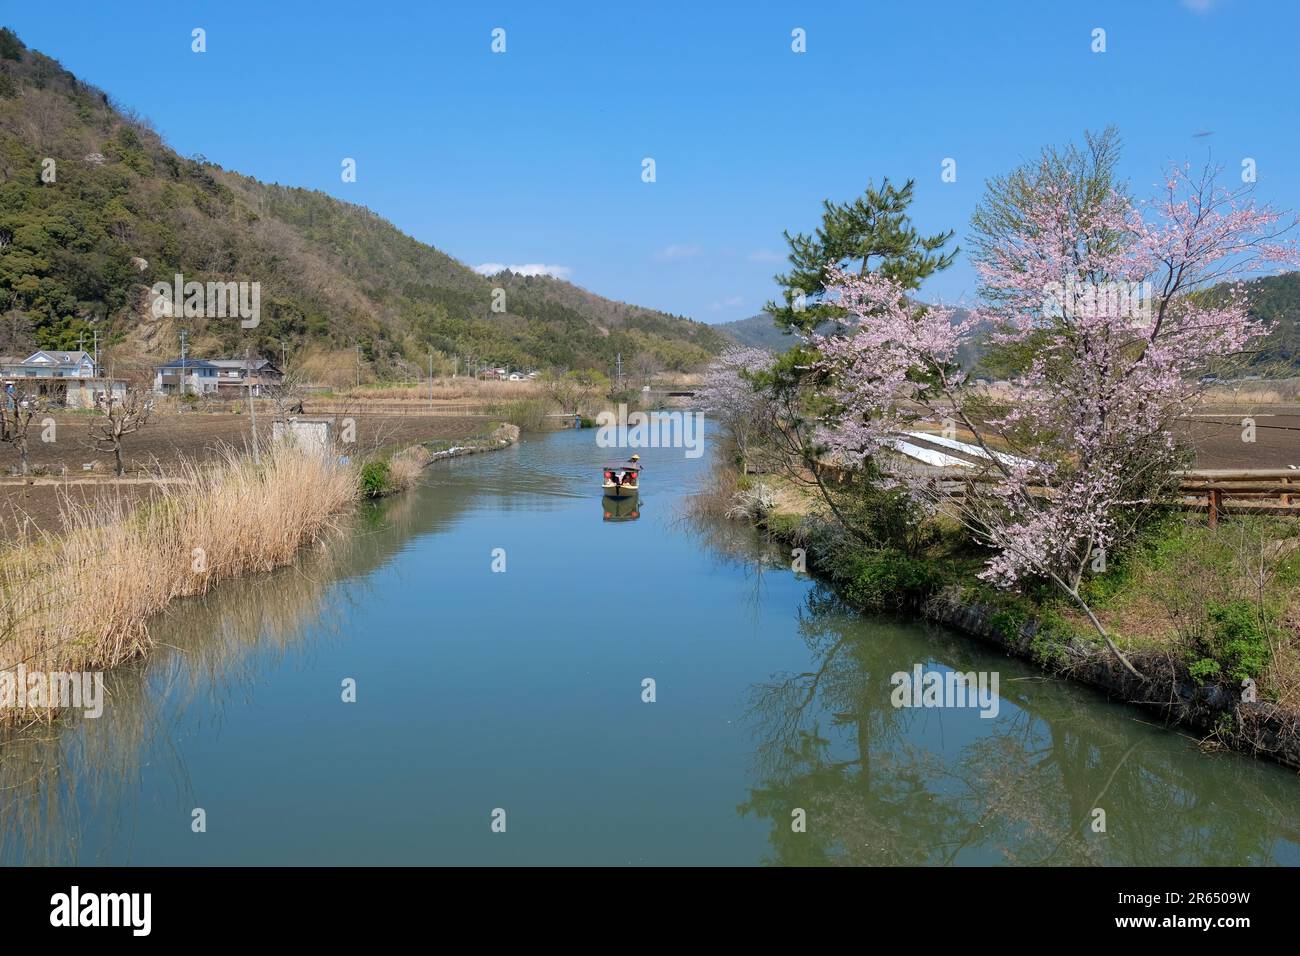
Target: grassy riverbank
81, 600
1199, 610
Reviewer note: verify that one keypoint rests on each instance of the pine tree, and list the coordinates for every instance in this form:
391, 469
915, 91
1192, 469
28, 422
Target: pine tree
871, 233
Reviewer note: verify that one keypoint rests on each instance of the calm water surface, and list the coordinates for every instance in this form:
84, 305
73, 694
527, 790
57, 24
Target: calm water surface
522, 691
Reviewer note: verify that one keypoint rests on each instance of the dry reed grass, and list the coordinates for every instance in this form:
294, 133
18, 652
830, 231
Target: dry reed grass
443, 390
1263, 392
405, 467
81, 601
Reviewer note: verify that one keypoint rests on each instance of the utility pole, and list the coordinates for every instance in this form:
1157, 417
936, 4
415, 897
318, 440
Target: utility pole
182, 388
252, 407
619, 374
284, 355
96, 332
358, 366
431, 378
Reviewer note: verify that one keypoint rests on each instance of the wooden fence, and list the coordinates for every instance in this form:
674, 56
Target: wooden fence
1220, 490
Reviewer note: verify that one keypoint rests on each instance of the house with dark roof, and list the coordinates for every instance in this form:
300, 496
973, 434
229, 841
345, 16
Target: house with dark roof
187, 376
239, 375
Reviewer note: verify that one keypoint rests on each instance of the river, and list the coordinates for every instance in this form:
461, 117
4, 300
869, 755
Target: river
771, 737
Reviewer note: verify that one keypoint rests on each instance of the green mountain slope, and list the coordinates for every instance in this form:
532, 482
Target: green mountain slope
84, 237
1276, 301
758, 331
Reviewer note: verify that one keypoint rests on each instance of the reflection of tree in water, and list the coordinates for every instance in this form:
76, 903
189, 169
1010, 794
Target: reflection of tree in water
735, 545
1023, 792
871, 805
1164, 802
211, 650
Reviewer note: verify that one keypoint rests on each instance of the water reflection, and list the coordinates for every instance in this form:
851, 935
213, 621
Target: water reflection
878, 789
626, 508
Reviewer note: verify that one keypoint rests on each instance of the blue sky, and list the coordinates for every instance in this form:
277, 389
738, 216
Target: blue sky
534, 156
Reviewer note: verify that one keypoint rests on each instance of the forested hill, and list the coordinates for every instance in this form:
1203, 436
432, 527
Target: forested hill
1276, 300
760, 332
84, 237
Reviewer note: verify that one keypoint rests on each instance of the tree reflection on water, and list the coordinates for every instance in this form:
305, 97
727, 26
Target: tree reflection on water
1020, 789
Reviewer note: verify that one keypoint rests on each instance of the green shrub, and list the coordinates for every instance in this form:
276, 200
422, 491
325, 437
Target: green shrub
1008, 623
1207, 668
374, 478
1051, 637
782, 525
1239, 638
1102, 587
888, 580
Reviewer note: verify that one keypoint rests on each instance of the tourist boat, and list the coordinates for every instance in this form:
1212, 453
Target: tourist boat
622, 480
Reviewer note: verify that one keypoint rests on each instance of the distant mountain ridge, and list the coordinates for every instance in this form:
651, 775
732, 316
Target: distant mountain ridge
95, 208
1274, 300
758, 331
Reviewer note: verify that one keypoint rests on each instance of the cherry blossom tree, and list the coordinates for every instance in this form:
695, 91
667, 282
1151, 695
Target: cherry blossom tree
730, 396
1102, 295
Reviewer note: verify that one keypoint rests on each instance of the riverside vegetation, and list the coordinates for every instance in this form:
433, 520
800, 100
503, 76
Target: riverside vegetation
82, 600
1066, 544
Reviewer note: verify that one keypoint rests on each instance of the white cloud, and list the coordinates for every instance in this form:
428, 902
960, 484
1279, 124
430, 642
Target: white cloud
731, 303
765, 255
529, 269
677, 252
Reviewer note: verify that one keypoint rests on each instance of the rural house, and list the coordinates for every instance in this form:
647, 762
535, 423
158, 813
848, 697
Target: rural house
216, 377
188, 376
259, 373
60, 378
51, 364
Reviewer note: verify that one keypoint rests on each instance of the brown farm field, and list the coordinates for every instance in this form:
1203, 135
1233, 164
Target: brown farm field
1223, 440
59, 477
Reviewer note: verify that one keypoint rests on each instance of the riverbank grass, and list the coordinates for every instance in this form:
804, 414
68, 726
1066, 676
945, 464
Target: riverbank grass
82, 600
1218, 605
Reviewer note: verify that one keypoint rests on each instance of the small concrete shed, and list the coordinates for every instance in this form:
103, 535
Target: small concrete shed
308, 433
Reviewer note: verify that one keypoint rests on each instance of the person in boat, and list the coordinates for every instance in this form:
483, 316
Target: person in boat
635, 463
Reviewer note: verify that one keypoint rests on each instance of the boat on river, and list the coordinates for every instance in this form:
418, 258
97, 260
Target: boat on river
622, 480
